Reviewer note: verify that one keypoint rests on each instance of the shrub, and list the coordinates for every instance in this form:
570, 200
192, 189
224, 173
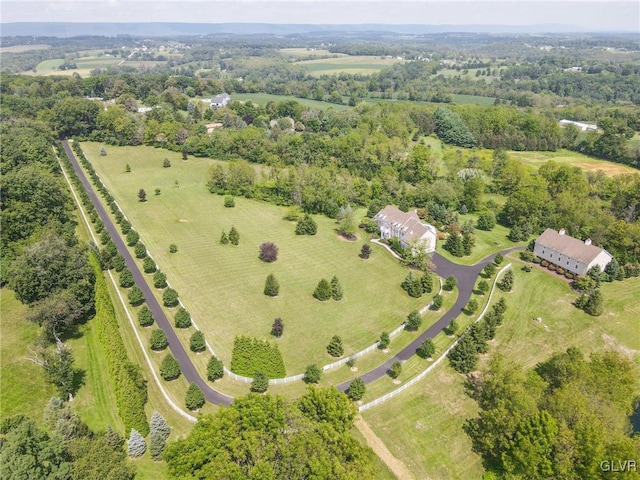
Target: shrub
140, 250
336, 289
426, 349
173, 248
194, 398
450, 283
356, 389
569, 275
166, 163
127, 168
451, 329
436, 303
552, 267
148, 265
271, 286
384, 341
351, 362
312, 374
103, 151
157, 191
234, 236
229, 201
293, 214
145, 317
159, 279
268, 252
169, 368
527, 256
369, 225
526, 268
251, 355
537, 260
335, 348
135, 296
126, 278
170, 298
118, 262
560, 271
365, 252
197, 342
544, 263
414, 321
158, 340
182, 318
260, 383
132, 238
323, 291
277, 327
498, 259
306, 226
215, 369
395, 370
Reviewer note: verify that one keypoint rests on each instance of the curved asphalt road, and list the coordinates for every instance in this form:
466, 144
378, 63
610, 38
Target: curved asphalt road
466, 276
188, 370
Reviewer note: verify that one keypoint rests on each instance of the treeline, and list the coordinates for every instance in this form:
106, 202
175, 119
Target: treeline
542, 423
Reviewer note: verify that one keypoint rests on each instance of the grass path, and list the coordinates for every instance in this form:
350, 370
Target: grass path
396, 465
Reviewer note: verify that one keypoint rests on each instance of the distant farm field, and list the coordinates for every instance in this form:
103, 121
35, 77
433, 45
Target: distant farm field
23, 48
222, 285
461, 99
363, 65
263, 98
309, 52
575, 159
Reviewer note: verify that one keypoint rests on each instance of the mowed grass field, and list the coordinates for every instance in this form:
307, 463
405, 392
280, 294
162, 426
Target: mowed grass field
461, 99
264, 98
222, 285
302, 52
423, 425
573, 158
356, 64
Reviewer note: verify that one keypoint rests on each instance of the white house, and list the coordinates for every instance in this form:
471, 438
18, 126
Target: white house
406, 227
570, 253
221, 100
584, 127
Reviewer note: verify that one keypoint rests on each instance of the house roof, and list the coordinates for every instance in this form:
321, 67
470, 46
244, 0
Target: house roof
569, 246
220, 98
409, 222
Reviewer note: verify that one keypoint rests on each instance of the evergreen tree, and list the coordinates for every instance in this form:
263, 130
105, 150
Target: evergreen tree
136, 444
356, 389
157, 446
140, 250
365, 252
142, 195
464, 356
498, 259
224, 240
384, 341
215, 369
323, 291
436, 303
613, 271
306, 226
468, 241
595, 304
234, 236
426, 349
277, 328
408, 281
472, 306
159, 279
451, 329
158, 340
454, 244
506, 284
197, 342
169, 368
132, 238
483, 287
194, 398
335, 348
271, 286
135, 296
450, 283
113, 439
160, 426
148, 265
415, 290
182, 318
126, 278
414, 321
336, 289
486, 221
395, 370
260, 383
427, 283
145, 317
312, 374
489, 269
170, 298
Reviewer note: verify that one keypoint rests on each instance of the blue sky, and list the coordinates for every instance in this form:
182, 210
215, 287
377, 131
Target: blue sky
593, 15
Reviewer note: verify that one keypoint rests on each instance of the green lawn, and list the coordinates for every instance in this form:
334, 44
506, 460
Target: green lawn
222, 285
48, 66
263, 98
309, 52
423, 425
461, 99
23, 388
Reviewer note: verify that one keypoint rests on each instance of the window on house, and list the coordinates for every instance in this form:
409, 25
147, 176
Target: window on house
576, 265
567, 262
551, 256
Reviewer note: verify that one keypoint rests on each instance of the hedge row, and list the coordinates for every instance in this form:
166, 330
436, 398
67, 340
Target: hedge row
251, 355
129, 386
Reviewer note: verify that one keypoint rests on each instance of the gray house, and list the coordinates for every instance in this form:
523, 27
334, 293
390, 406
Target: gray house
220, 100
570, 253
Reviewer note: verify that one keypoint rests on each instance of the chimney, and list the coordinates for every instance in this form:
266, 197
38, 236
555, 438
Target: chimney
587, 241
561, 232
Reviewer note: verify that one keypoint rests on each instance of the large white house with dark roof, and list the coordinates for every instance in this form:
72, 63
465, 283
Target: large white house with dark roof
406, 227
570, 253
